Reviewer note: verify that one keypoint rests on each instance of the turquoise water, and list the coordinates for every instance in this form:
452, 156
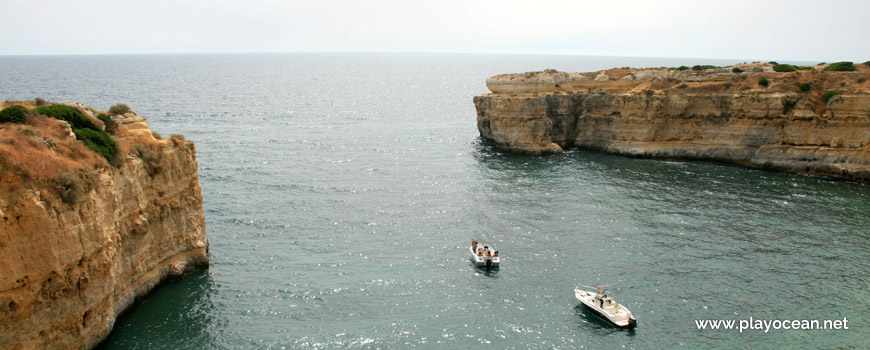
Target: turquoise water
341, 192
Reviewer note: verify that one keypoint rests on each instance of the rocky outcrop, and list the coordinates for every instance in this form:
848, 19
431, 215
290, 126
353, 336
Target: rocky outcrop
70, 263
704, 114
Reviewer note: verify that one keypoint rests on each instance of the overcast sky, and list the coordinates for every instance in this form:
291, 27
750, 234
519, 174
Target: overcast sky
829, 30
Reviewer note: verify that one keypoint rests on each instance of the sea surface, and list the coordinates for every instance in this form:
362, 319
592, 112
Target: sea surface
342, 192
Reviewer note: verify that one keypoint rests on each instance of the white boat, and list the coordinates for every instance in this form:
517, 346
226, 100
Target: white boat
483, 255
606, 307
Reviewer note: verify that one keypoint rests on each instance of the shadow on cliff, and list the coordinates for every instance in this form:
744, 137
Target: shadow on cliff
174, 315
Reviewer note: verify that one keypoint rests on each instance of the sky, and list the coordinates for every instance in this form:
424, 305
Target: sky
830, 30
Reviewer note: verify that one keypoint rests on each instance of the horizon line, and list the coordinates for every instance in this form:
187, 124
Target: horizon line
747, 60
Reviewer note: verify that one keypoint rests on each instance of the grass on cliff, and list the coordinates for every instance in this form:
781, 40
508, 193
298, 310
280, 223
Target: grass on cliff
764, 82
119, 109
844, 66
805, 86
703, 67
150, 154
85, 130
41, 147
69, 187
827, 96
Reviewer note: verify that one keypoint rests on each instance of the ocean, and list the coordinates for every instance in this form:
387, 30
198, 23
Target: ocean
342, 192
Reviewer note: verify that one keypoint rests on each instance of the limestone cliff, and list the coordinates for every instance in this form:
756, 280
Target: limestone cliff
722, 114
80, 239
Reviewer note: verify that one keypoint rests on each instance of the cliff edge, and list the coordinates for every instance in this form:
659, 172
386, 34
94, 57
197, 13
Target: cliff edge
85, 231
808, 120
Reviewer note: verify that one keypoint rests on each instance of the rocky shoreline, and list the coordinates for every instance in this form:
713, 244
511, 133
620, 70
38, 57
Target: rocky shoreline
808, 120
78, 245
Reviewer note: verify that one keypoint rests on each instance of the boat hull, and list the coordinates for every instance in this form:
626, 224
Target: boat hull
623, 318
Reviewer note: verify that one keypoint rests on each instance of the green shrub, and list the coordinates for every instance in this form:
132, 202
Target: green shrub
14, 114
867, 63
682, 68
99, 141
805, 86
85, 130
805, 67
111, 126
736, 70
764, 82
844, 66
39, 101
784, 68
703, 67
828, 95
773, 63
119, 109
71, 115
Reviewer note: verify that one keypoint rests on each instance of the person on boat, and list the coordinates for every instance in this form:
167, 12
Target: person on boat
473, 244
496, 253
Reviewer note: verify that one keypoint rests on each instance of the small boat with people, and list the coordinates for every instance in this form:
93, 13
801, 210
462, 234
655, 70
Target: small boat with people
483, 255
606, 307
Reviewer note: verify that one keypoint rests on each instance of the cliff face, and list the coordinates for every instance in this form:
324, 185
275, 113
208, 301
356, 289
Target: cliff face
711, 114
70, 264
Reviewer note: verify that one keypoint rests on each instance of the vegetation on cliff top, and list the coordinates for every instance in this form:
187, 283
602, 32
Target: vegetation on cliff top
844, 66
39, 147
14, 114
829, 95
86, 131
703, 67
784, 68
111, 126
119, 109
